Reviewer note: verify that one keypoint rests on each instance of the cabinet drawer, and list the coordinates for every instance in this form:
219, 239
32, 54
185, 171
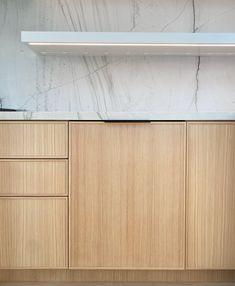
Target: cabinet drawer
33, 177
33, 233
33, 139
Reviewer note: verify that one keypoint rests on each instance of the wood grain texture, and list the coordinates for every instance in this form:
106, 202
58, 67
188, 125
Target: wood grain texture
211, 196
116, 276
34, 139
33, 233
116, 284
33, 177
127, 195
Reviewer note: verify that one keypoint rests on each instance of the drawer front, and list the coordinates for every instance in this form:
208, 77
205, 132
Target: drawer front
33, 233
33, 139
33, 177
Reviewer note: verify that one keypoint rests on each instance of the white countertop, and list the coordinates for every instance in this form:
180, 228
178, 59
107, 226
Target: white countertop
151, 116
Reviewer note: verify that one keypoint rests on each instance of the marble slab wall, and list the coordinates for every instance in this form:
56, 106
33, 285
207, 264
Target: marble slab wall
118, 84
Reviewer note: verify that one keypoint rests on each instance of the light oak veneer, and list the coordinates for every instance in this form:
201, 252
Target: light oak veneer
33, 139
118, 216
211, 196
33, 177
183, 276
127, 195
33, 233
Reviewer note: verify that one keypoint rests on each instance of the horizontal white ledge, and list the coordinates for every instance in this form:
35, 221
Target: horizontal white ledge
130, 43
109, 115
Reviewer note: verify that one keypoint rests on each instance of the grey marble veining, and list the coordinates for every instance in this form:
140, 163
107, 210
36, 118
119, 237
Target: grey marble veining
115, 85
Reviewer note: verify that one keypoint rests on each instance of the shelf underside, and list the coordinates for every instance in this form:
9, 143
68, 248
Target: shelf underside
98, 43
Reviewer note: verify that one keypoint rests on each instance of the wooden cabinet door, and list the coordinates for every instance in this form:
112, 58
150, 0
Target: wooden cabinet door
33, 233
127, 195
211, 196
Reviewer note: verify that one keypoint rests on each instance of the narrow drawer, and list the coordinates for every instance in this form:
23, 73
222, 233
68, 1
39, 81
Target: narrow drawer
33, 139
33, 177
34, 233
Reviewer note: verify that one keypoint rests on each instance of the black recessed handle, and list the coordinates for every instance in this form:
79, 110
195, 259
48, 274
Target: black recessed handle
127, 121
7, 109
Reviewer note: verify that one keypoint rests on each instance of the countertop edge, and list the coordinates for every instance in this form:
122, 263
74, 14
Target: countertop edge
102, 116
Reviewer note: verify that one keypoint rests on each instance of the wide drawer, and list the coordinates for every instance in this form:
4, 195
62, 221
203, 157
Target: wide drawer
34, 139
34, 233
38, 177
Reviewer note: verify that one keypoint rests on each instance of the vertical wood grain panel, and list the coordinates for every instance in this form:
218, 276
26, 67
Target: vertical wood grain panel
127, 195
33, 233
33, 177
33, 139
211, 196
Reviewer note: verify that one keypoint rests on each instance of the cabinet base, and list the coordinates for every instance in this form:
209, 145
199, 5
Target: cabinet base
117, 276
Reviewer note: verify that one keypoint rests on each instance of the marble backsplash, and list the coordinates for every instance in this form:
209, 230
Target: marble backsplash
115, 84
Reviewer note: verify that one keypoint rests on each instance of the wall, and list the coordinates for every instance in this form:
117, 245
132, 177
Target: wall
165, 84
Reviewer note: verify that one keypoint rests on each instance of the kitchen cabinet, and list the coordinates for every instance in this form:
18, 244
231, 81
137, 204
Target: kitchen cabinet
33, 233
211, 196
123, 187
127, 195
33, 195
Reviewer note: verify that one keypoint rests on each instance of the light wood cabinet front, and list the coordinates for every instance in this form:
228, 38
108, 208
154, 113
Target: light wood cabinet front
33, 233
33, 139
33, 177
211, 196
127, 195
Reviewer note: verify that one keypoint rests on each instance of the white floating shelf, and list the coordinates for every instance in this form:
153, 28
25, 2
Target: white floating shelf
130, 43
